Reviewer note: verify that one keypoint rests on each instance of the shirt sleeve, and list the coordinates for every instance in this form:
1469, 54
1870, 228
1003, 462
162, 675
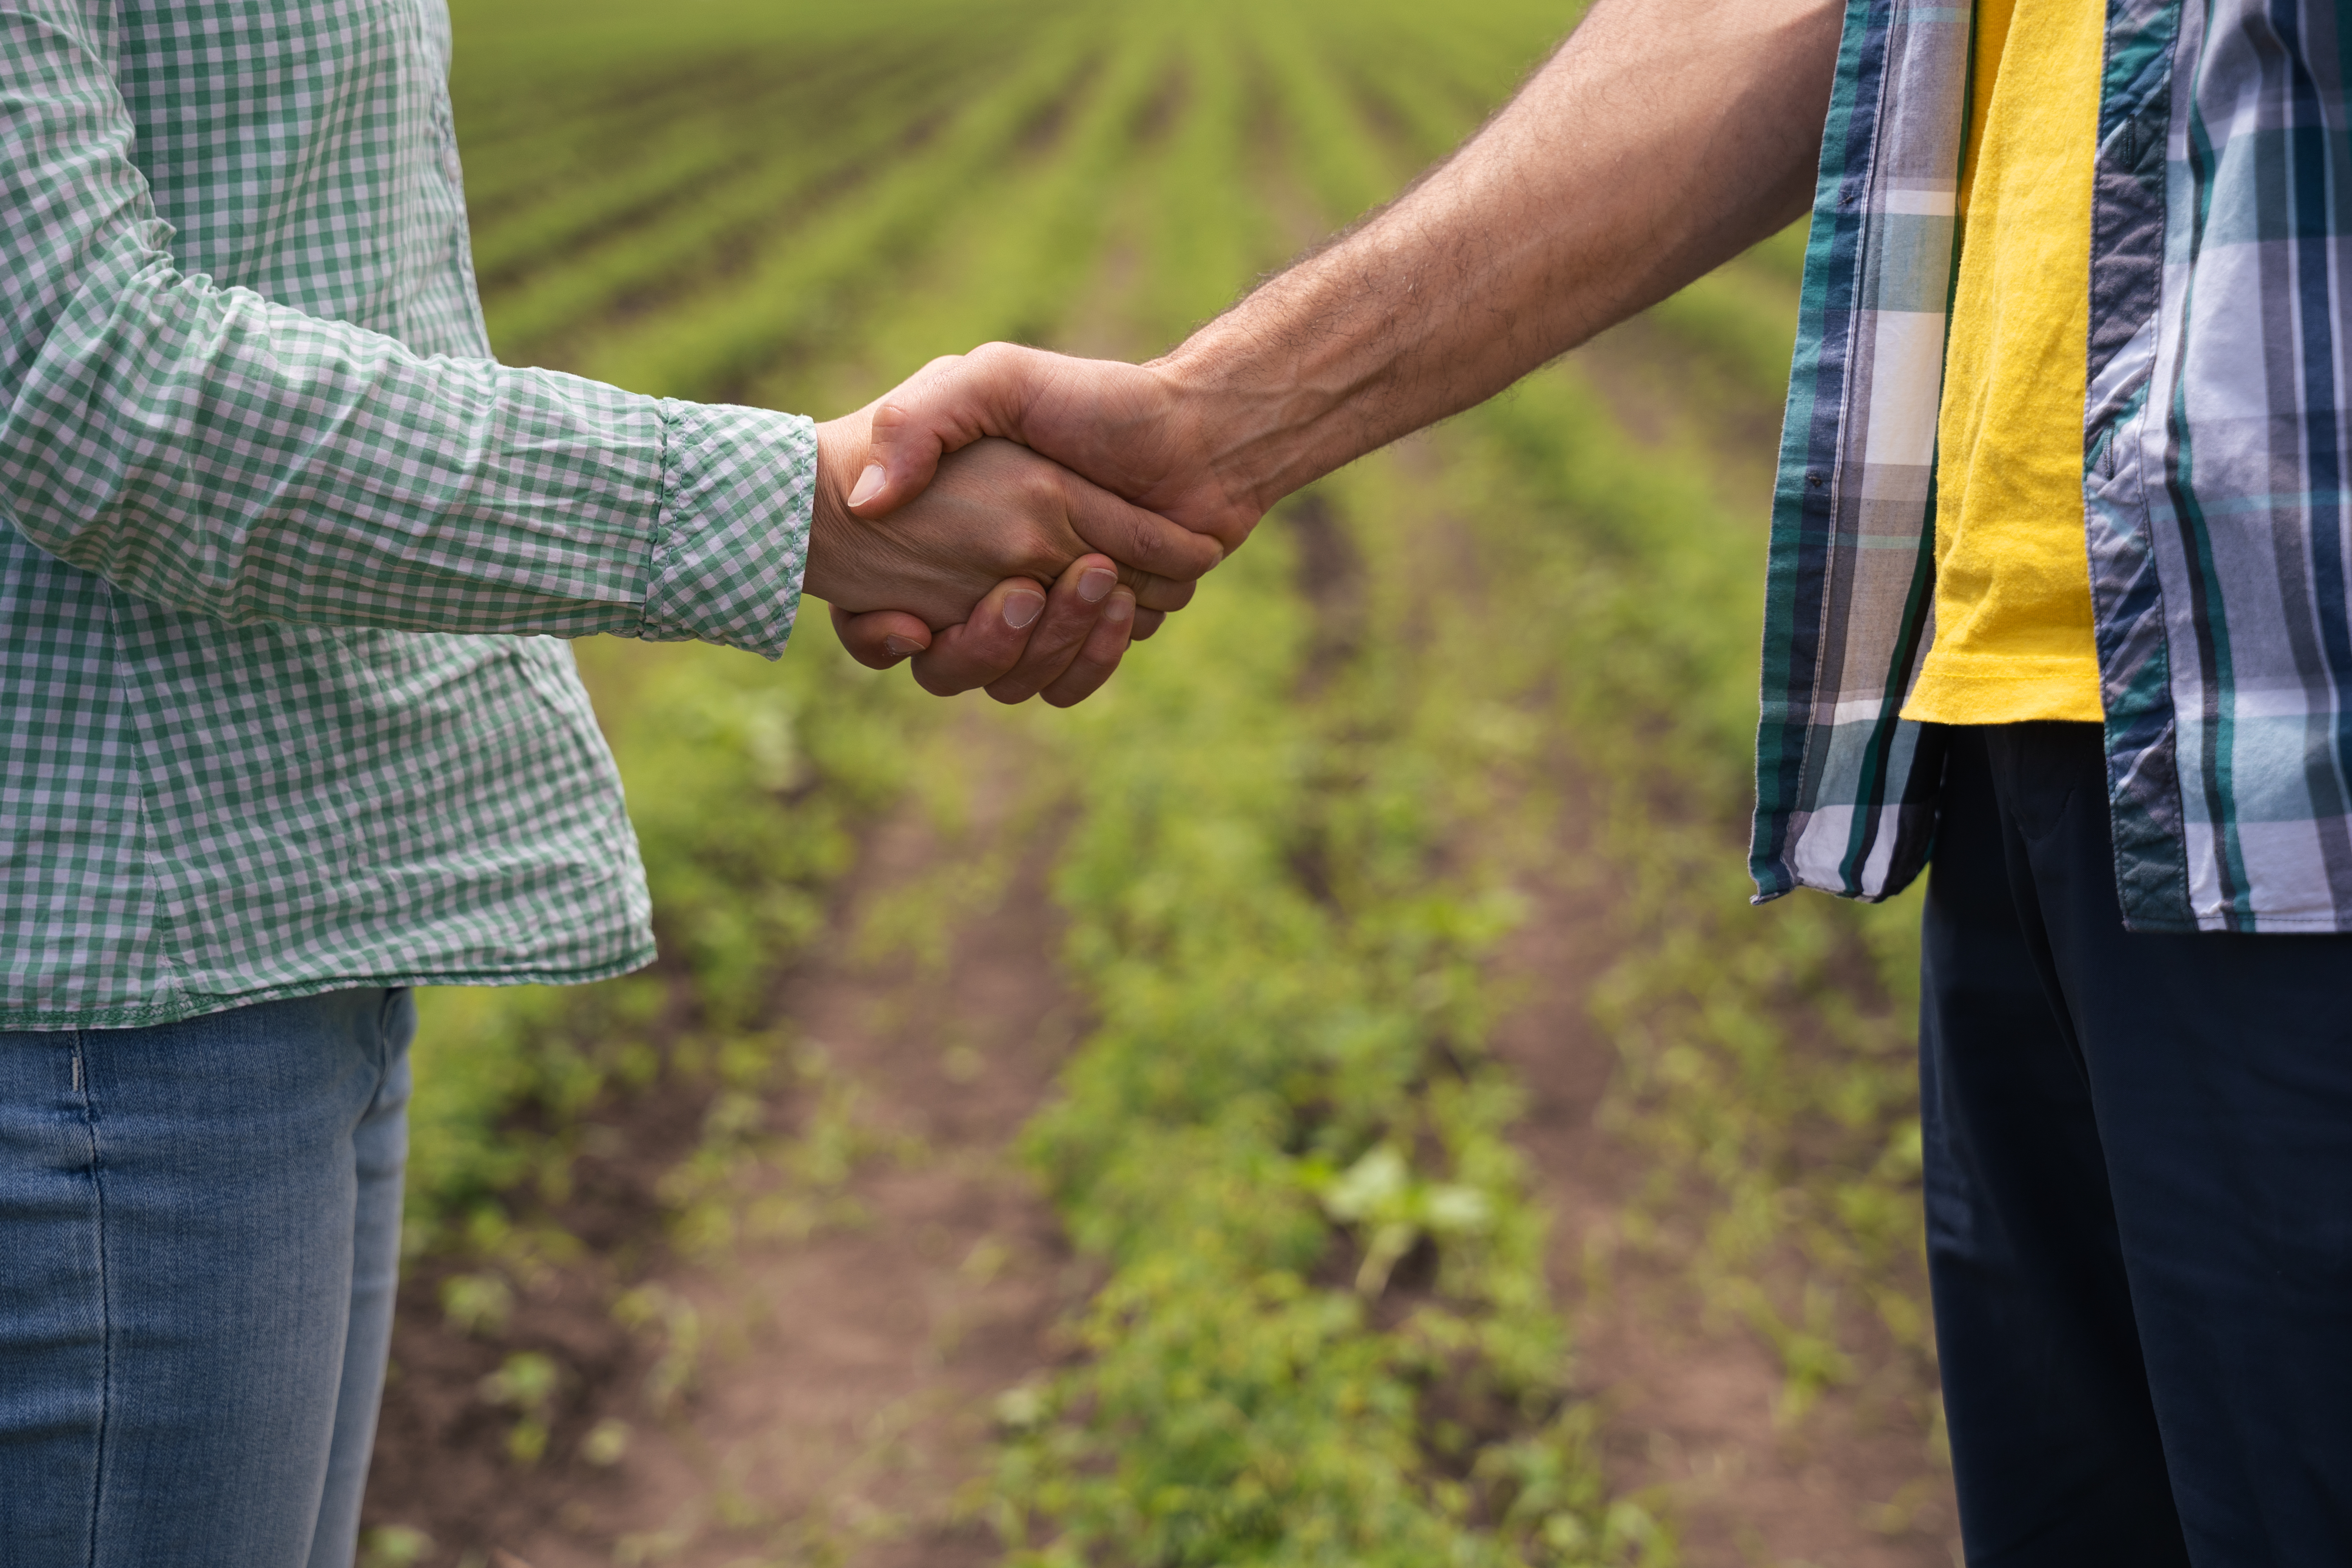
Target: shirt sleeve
206, 449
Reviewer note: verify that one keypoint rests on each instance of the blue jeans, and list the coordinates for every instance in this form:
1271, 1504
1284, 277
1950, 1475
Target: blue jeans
2139, 1195
199, 1230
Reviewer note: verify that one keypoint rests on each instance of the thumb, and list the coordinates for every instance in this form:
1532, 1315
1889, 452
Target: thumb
949, 403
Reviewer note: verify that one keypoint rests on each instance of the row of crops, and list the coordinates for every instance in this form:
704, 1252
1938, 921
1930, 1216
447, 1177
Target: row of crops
1517, 649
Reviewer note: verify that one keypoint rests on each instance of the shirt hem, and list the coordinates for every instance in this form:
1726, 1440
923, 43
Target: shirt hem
2252, 925
2139, 924
152, 1014
2012, 691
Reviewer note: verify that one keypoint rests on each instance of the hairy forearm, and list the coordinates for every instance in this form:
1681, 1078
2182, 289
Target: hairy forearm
1663, 138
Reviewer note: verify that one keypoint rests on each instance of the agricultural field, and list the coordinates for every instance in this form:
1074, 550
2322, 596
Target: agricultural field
1325, 1100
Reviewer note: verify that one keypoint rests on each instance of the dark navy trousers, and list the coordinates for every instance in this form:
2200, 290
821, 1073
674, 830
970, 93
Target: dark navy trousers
2139, 1192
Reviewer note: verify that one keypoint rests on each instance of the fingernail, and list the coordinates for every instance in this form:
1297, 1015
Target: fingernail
1120, 611
1022, 609
868, 483
899, 647
1095, 587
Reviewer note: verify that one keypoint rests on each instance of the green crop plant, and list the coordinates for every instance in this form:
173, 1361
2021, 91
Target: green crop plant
782, 301
1010, 265
573, 263
1326, 1336
1766, 1053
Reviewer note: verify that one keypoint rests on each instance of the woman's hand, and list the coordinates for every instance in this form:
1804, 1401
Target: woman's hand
954, 576
1021, 641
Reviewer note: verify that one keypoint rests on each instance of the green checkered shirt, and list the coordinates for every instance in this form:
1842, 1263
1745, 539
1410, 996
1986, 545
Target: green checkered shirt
287, 555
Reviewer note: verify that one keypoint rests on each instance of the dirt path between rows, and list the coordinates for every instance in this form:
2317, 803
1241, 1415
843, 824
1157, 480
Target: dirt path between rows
1689, 1406
843, 1380
843, 1398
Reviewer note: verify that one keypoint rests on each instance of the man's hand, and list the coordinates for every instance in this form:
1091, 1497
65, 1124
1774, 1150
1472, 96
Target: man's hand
1665, 137
1130, 428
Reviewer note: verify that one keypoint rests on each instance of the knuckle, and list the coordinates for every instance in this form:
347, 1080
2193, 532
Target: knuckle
939, 677
1040, 488
1055, 650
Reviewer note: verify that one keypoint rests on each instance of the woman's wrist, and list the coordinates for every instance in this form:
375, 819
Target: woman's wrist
840, 456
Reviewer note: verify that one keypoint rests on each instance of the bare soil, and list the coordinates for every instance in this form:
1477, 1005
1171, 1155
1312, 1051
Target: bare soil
845, 1379
1690, 1420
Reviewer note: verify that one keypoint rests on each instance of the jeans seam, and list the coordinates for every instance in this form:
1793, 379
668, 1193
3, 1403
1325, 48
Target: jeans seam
380, 1047
105, 1304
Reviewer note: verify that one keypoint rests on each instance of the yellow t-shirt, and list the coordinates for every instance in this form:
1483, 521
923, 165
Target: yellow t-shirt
2013, 638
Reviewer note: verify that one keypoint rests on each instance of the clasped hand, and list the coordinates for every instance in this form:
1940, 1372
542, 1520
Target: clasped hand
992, 564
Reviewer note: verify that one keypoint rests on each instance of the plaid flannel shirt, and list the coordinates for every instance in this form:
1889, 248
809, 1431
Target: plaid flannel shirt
2216, 436
287, 555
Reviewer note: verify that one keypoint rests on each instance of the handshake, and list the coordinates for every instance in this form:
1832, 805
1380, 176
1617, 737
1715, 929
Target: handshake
1010, 519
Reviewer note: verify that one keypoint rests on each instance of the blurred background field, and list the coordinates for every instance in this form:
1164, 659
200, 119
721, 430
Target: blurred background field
1325, 1101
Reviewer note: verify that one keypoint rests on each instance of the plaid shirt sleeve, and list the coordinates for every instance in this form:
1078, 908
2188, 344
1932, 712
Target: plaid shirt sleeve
210, 451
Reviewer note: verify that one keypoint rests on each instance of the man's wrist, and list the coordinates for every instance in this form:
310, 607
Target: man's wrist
1253, 428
